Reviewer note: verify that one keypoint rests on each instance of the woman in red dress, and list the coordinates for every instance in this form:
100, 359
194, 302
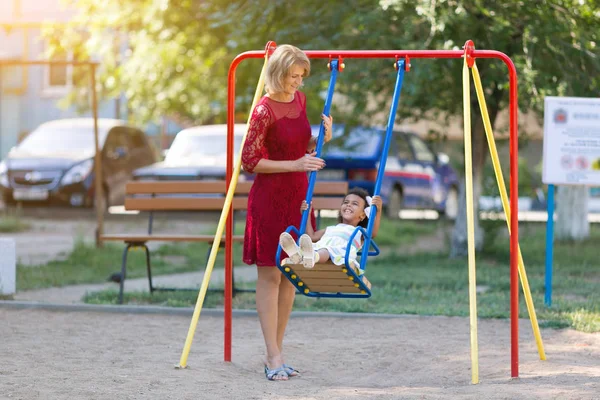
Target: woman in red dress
279, 149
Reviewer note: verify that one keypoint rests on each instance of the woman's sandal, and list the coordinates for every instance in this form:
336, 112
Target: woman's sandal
276, 372
291, 371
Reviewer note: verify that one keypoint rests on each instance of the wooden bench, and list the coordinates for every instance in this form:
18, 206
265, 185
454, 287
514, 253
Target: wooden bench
198, 196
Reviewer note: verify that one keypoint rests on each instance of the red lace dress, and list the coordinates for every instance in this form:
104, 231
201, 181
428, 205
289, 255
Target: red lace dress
277, 131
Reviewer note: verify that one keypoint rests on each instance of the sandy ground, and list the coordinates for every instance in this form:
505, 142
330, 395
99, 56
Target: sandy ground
88, 355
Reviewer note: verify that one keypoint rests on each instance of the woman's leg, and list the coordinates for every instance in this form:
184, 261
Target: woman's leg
267, 305
287, 293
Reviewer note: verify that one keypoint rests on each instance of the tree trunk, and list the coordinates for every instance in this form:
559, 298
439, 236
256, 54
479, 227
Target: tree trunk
572, 213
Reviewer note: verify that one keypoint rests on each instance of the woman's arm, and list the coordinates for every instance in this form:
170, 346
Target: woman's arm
255, 158
307, 163
312, 144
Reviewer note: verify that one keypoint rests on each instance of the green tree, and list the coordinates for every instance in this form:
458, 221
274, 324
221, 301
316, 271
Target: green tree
554, 45
170, 58
178, 54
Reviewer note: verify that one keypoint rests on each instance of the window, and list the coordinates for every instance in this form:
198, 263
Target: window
404, 152
58, 79
422, 151
359, 142
58, 76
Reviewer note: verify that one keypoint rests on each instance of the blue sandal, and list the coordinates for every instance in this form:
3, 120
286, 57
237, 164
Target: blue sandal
276, 372
291, 371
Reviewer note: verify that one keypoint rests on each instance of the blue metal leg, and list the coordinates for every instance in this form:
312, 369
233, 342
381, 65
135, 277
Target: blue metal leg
549, 245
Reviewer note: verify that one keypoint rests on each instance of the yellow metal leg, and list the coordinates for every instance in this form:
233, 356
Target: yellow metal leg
220, 227
470, 225
505, 204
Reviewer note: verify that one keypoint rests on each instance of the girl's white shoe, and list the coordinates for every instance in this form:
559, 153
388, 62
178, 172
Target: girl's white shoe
307, 251
291, 248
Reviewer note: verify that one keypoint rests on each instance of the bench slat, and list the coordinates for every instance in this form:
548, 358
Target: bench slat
327, 203
183, 187
211, 203
218, 187
183, 203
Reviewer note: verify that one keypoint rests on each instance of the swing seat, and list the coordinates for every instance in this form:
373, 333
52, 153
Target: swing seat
327, 280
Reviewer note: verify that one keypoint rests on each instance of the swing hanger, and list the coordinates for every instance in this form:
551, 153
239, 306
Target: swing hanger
406, 63
270, 47
340, 61
469, 48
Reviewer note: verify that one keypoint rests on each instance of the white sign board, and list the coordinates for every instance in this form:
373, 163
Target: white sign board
571, 141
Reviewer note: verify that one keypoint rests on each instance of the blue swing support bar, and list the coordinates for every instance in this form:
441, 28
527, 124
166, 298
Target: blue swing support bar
288, 272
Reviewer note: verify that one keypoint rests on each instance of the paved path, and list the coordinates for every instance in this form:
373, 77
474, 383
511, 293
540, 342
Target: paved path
74, 294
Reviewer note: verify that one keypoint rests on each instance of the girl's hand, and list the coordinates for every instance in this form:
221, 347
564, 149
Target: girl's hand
304, 206
376, 201
328, 123
309, 163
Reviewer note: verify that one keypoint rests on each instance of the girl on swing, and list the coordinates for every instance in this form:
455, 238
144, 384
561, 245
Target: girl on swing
332, 242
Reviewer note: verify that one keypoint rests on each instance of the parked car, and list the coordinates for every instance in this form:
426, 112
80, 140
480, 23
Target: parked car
414, 178
55, 162
196, 153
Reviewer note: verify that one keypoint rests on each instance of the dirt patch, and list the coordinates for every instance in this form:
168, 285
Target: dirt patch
58, 355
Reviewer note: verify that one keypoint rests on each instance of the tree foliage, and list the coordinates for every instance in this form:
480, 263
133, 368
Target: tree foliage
174, 54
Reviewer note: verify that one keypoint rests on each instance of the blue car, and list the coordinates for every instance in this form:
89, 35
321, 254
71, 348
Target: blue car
415, 177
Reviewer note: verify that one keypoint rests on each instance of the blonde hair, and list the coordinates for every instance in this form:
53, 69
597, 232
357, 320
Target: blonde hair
279, 66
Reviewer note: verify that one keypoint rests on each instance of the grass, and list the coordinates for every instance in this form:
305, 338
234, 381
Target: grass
88, 264
427, 283
11, 222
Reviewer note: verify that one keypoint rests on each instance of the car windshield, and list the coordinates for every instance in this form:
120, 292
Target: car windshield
190, 147
69, 139
359, 142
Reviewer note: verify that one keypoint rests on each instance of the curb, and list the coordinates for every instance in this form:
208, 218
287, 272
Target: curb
184, 311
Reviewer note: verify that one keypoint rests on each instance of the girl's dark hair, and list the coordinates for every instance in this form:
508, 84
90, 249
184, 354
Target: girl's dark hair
362, 193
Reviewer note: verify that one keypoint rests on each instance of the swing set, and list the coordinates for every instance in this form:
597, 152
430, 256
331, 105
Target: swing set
329, 280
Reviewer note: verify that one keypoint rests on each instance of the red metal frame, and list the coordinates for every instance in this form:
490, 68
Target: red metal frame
472, 54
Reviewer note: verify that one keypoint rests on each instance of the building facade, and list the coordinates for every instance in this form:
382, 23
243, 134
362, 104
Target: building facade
30, 94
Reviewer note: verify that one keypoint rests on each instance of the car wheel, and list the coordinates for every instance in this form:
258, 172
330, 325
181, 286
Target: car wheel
451, 208
394, 204
8, 200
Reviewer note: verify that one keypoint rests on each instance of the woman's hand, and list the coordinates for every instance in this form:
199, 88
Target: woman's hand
328, 123
309, 163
